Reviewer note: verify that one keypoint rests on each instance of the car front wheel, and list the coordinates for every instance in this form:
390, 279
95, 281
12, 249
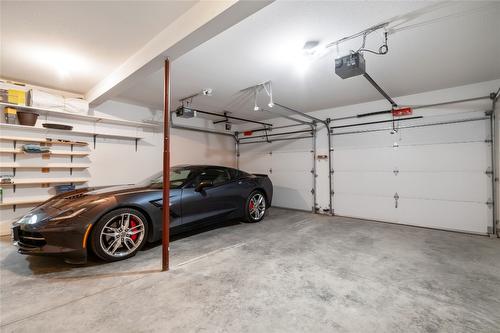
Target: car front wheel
255, 207
119, 235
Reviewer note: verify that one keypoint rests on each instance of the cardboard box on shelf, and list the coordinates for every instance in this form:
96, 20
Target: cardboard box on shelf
13, 96
10, 115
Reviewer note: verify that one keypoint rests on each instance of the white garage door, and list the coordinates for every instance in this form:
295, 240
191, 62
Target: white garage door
431, 176
288, 164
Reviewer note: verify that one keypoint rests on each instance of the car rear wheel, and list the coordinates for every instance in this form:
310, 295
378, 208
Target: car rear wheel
255, 207
119, 235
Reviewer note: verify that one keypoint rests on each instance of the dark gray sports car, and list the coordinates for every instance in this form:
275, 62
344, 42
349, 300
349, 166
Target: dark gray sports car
115, 222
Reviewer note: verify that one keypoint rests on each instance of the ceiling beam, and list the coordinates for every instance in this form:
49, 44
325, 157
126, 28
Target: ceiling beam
200, 23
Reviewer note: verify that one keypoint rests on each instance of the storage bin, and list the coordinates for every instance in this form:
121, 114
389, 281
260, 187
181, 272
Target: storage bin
27, 118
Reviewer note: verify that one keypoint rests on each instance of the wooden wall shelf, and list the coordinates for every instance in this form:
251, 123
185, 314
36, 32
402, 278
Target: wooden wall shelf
52, 153
44, 166
47, 130
46, 141
31, 181
24, 201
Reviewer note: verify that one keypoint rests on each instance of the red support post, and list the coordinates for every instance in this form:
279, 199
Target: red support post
166, 170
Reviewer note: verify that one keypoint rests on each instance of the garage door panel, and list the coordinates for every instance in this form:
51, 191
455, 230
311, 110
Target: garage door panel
291, 164
366, 159
293, 179
292, 197
441, 180
292, 145
365, 207
473, 156
291, 161
456, 186
257, 164
255, 158
460, 216
458, 132
377, 139
367, 183
288, 164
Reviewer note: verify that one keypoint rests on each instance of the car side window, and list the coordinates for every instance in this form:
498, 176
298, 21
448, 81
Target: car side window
216, 175
235, 174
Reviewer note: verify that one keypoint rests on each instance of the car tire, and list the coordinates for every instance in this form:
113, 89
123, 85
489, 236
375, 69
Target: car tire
255, 207
119, 234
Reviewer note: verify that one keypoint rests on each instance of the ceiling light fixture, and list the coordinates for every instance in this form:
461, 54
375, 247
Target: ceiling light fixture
311, 50
207, 92
310, 46
62, 61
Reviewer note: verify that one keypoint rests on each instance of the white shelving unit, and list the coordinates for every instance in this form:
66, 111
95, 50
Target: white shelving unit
50, 137
42, 165
70, 115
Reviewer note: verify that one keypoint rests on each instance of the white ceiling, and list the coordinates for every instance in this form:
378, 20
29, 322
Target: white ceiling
72, 45
461, 48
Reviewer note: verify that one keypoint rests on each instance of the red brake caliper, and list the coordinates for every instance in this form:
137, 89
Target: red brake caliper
251, 204
132, 225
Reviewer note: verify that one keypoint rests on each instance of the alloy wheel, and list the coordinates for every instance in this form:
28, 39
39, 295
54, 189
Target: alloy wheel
122, 235
257, 206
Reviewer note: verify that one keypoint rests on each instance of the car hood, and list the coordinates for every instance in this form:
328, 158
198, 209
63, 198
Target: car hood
86, 195
92, 195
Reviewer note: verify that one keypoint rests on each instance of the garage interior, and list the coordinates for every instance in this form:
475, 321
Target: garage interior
377, 123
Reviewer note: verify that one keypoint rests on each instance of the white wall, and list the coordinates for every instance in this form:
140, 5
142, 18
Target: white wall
115, 161
186, 147
430, 115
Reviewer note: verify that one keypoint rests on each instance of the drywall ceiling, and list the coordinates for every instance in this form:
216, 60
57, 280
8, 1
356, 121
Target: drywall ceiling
459, 46
72, 45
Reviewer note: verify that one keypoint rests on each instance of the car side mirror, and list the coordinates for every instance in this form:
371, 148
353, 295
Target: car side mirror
203, 184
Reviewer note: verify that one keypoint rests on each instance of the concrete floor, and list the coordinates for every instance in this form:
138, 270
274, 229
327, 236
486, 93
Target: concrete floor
294, 272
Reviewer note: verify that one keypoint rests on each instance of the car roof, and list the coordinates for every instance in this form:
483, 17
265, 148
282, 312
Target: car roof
201, 166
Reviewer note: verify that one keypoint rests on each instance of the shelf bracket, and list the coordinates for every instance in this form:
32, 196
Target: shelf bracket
14, 154
71, 161
13, 208
136, 141
95, 139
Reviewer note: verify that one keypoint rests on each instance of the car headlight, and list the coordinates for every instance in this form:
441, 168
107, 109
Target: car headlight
68, 214
29, 219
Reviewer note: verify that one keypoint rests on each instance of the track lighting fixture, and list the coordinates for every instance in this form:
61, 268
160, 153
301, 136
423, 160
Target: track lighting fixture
256, 107
267, 86
269, 89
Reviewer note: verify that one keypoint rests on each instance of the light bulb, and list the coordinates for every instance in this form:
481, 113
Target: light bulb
256, 108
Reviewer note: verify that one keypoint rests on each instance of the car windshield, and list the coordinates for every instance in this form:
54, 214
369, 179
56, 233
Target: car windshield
178, 177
